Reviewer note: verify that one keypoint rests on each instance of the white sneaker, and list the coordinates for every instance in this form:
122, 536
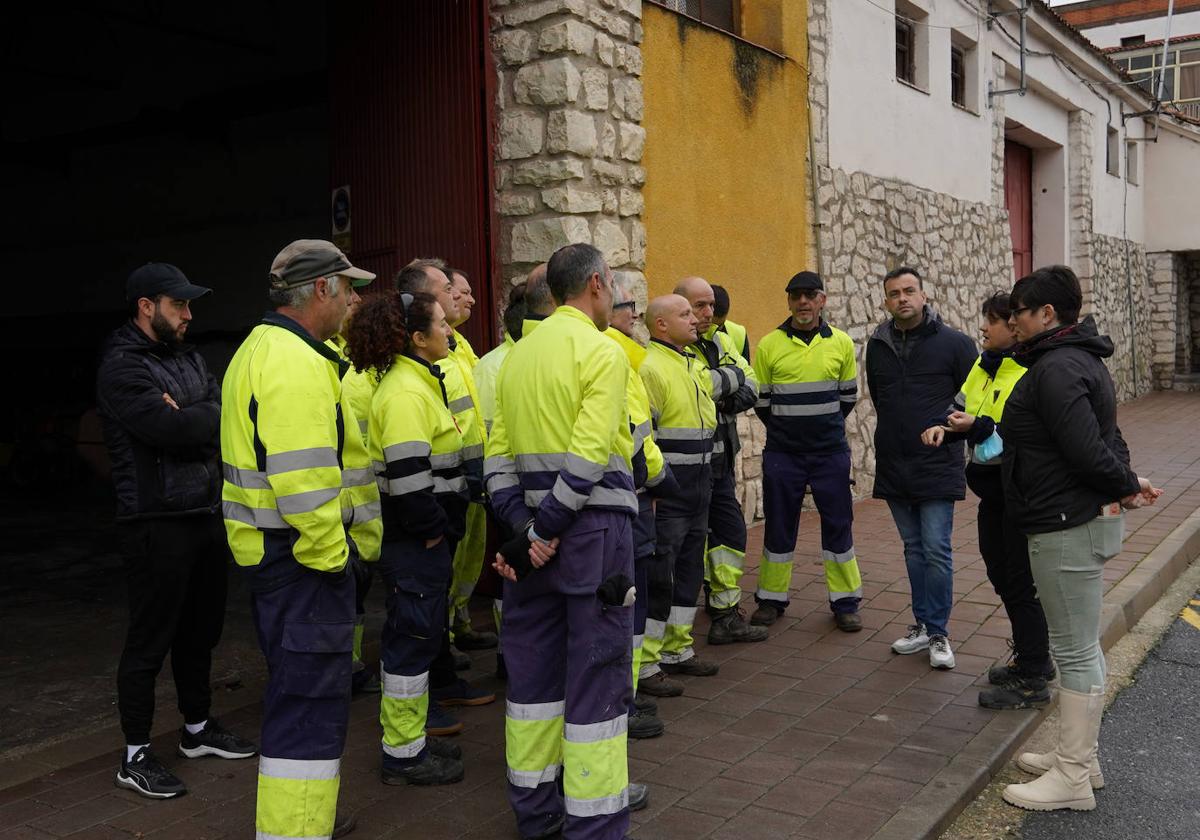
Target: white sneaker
940, 655
915, 642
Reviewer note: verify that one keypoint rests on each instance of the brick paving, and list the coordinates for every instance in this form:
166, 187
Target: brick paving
812, 734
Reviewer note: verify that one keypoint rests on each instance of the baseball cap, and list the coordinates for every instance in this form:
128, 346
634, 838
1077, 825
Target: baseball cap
307, 259
161, 279
804, 281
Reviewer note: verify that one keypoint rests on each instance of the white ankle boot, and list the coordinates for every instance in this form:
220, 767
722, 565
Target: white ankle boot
1039, 763
1067, 781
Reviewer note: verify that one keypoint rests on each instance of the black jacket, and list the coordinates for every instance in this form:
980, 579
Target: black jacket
1064, 456
164, 460
912, 376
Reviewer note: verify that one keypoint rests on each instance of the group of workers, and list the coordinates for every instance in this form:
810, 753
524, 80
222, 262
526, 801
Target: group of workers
595, 474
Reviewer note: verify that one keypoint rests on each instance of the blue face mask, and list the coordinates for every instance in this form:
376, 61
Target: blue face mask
990, 449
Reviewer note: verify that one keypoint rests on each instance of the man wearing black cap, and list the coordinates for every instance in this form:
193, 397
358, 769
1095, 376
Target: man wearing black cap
807, 386
161, 410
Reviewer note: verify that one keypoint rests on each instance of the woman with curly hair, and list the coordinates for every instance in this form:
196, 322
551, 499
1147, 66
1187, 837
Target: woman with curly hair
417, 453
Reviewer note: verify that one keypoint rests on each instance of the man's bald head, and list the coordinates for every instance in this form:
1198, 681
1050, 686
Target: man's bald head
539, 300
701, 298
669, 318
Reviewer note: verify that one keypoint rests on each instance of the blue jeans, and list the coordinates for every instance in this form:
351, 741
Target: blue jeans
925, 529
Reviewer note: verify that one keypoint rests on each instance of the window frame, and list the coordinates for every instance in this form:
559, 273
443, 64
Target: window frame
1147, 77
909, 76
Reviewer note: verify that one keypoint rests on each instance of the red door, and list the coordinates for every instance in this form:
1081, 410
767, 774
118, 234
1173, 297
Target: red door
1018, 199
410, 136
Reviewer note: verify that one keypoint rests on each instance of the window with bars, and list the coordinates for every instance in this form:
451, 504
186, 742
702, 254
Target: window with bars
906, 49
723, 14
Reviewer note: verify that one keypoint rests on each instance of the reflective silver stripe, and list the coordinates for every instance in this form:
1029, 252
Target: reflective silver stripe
447, 461
495, 464
718, 447
302, 459
805, 410
597, 807
675, 658
763, 402
725, 600
362, 427
655, 629
410, 449
246, 479
539, 462
676, 458
722, 556
605, 496
960, 398
256, 517
496, 483
461, 404
589, 733
681, 616
584, 468
655, 480
679, 433
358, 477
449, 485
306, 502
409, 483
535, 711
839, 556
638, 641
856, 593
533, 778
298, 768
366, 512
645, 428
402, 687
474, 452
778, 556
848, 384
404, 750
569, 498
850, 398
768, 595
266, 835
805, 387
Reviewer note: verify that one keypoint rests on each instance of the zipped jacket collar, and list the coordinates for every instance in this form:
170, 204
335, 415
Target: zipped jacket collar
277, 319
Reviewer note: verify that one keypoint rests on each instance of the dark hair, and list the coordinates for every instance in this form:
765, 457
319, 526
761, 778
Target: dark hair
900, 271
514, 313
1056, 285
382, 328
720, 301
568, 271
451, 271
538, 299
998, 306
414, 277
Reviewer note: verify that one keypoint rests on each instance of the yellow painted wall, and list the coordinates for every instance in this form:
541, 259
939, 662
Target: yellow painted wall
726, 140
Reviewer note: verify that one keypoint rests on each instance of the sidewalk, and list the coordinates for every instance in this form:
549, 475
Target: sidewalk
813, 734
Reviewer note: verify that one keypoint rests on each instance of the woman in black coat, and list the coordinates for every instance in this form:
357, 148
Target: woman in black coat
1066, 478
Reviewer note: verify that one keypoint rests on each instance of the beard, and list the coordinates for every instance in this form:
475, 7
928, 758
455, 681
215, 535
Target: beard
163, 330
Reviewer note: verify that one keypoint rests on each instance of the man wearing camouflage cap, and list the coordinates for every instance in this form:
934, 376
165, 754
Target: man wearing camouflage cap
298, 490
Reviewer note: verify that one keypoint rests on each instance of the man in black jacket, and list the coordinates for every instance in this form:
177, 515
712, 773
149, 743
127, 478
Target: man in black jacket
915, 364
161, 413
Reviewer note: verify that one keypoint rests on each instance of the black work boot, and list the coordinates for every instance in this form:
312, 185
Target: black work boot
660, 685
766, 614
1001, 674
729, 626
848, 622
343, 824
693, 667
432, 770
1020, 692
645, 704
645, 725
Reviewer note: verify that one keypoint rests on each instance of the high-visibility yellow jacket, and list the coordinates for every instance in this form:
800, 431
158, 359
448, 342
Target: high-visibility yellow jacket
291, 470
485, 379
683, 412
464, 405
984, 394
357, 385
734, 388
560, 440
649, 468
417, 453
806, 389
738, 336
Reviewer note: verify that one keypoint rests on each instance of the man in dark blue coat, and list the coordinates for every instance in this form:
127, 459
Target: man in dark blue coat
162, 411
915, 365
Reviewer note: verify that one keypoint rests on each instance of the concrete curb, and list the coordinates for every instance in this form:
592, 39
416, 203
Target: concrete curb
934, 808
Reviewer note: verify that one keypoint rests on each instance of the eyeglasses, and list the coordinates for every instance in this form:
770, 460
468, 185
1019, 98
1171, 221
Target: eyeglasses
631, 305
1021, 309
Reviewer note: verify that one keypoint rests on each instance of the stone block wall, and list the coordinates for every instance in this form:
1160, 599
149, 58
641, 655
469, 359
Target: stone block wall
1165, 317
568, 134
1121, 303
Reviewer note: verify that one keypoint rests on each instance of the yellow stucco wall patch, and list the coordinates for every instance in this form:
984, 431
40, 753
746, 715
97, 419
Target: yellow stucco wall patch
726, 141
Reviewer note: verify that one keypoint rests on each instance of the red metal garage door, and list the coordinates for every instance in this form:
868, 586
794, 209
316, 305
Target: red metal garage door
410, 134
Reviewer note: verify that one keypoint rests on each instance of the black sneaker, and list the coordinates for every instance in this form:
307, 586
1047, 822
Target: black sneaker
693, 667
1018, 693
729, 626
1006, 673
145, 775
432, 770
645, 725
216, 740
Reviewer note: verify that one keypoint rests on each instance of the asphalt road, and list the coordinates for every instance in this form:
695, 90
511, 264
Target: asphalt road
1149, 751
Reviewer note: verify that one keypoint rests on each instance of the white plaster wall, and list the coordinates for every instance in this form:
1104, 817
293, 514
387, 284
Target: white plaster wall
1110, 35
1117, 205
1172, 183
883, 127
